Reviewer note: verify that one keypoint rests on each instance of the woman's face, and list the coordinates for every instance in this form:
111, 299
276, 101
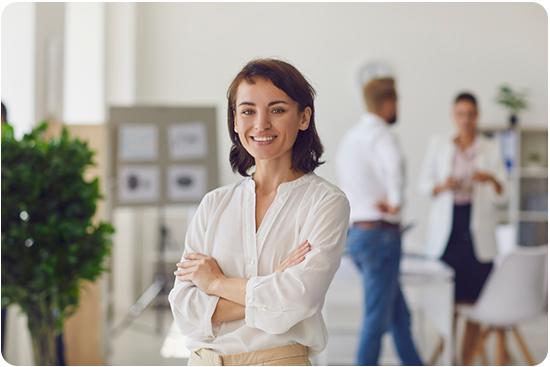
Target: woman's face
465, 116
267, 120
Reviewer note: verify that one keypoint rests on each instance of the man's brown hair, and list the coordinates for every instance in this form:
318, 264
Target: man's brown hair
377, 91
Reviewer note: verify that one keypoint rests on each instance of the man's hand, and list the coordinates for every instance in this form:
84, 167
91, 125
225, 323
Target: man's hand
296, 256
202, 270
383, 206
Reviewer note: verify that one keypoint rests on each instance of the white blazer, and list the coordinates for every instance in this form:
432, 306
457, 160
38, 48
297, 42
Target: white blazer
437, 167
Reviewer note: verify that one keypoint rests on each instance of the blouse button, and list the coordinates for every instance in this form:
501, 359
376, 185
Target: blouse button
249, 300
252, 262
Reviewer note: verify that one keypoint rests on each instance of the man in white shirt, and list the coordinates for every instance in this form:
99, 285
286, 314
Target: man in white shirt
371, 173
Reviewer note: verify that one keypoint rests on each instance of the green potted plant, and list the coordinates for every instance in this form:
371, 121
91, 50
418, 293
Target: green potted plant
49, 242
513, 101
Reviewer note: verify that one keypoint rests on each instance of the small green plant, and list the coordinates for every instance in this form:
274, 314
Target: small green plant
49, 242
512, 100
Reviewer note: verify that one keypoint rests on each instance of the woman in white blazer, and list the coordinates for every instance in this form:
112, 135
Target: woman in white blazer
465, 177
463, 170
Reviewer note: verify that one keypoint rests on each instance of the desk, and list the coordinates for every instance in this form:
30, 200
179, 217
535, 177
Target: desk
343, 308
434, 279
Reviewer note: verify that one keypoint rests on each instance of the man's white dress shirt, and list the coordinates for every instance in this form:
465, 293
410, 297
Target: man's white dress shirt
282, 308
370, 167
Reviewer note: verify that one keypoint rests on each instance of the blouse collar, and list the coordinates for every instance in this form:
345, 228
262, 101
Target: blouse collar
285, 186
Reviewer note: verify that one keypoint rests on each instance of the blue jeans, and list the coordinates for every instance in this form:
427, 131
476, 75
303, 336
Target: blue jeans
377, 253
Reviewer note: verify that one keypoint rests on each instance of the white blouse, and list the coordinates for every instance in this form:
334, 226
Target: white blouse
282, 308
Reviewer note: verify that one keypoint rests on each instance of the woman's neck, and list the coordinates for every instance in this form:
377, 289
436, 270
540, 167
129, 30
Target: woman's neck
464, 140
270, 174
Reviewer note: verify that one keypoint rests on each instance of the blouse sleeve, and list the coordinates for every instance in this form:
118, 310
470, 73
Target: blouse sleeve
192, 308
276, 302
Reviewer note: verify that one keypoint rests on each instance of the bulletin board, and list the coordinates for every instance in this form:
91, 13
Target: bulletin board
162, 155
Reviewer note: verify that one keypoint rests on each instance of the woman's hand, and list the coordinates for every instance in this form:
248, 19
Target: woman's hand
480, 176
450, 184
202, 270
296, 256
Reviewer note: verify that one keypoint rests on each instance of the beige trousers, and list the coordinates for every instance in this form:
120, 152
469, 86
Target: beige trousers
289, 355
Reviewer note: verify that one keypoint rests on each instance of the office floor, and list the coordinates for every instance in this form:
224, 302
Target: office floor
139, 345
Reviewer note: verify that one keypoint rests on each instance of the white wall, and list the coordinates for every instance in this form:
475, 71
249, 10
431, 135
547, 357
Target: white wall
120, 53
187, 53
84, 80
18, 55
49, 64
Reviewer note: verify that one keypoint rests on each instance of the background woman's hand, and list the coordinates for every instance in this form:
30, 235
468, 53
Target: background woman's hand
202, 270
296, 256
480, 176
450, 184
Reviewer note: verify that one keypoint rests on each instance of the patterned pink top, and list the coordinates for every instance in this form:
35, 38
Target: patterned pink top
463, 170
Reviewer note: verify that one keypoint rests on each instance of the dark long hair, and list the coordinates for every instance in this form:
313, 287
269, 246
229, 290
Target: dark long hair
307, 149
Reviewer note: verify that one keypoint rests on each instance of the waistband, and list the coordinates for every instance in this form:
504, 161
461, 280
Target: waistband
257, 357
376, 224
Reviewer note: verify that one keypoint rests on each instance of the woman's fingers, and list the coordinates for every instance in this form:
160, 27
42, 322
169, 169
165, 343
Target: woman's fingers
183, 272
187, 264
304, 245
296, 256
302, 250
297, 261
194, 256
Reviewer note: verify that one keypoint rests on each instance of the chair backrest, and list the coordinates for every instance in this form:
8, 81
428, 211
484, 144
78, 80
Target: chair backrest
516, 287
506, 236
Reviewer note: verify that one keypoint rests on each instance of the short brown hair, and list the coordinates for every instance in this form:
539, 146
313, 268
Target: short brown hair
465, 96
307, 149
377, 91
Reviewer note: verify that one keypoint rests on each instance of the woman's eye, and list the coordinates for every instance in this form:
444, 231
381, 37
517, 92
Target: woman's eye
278, 110
247, 112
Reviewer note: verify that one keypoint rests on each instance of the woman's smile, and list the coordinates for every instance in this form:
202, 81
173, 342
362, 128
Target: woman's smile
263, 139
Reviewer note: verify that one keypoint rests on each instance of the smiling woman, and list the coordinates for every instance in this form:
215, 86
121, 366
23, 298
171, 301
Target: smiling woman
288, 93
260, 254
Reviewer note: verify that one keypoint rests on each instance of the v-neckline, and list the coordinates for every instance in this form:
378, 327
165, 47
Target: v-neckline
266, 214
283, 192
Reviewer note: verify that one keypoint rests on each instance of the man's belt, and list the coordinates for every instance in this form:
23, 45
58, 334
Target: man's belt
376, 224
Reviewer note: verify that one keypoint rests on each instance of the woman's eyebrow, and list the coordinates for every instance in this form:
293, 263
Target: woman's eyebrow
270, 103
277, 102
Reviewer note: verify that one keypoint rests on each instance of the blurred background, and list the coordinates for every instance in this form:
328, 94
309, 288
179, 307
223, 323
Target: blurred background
74, 64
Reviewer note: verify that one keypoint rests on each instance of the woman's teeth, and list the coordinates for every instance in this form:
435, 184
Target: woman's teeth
263, 138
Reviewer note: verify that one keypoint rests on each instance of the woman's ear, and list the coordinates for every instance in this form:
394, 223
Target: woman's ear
305, 117
234, 122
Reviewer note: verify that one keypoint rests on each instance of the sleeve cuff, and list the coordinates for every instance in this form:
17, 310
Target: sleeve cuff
209, 331
249, 302
394, 200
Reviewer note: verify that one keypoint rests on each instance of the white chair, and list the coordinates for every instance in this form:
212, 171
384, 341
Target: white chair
506, 235
514, 291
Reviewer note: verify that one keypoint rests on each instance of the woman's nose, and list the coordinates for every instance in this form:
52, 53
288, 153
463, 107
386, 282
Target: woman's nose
262, 122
